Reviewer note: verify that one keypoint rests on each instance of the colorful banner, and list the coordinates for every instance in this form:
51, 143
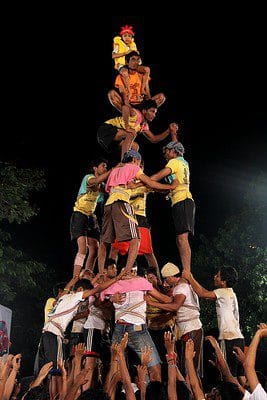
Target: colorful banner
5, 327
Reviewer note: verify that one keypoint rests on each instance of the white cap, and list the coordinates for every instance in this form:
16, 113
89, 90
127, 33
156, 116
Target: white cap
169, 269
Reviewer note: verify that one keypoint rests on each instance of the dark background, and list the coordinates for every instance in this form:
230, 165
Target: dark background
213, 73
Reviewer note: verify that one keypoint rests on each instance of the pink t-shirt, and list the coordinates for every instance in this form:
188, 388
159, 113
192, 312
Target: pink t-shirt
123, 175
127, 285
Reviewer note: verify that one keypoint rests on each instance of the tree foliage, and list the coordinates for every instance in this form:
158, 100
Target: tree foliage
241, 243
18, 272
25, 283
16, 187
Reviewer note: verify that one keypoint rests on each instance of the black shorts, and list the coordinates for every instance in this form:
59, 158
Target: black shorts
48, 350
183, 214
142, 221
105, 136
83, 225
235, 366
92, 340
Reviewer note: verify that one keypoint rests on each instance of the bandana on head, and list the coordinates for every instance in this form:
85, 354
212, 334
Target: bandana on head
127, 29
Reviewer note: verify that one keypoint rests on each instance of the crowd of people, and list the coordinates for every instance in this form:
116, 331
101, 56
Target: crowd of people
118, 331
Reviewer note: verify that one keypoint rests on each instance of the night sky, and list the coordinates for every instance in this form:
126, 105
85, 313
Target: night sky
214, 77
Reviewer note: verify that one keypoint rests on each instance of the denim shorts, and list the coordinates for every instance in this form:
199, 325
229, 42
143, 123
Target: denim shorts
137, 340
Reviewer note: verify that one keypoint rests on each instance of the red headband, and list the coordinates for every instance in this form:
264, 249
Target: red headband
126, 29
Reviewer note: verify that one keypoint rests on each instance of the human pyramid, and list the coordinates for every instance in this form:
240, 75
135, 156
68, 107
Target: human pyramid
99, 314
124, 225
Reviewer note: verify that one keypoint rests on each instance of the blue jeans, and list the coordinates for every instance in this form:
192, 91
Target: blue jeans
137, 340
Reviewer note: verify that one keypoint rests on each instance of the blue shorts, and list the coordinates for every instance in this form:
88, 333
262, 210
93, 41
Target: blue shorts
137, 340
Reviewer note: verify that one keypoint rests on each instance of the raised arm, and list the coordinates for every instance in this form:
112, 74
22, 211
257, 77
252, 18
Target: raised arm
222, 364
171, 356
12, 377
250, 357
126, 380
158, 138
193, 378
200, 290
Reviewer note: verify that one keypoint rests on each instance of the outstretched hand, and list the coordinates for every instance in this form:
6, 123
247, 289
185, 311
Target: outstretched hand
16, 362
146, 355
190, 350
262, 329
174, 127
239, 354
213, 342
169, 342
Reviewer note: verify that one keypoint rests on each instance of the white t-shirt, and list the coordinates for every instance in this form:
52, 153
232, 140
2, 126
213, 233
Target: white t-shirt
67, 305
138, 315
246, 395
227, 314
77, 325
188, 314
95, 318
258, 394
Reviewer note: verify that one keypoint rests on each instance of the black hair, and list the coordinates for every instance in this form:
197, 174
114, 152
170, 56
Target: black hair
229, 275
147, 104
96, 162
57, 287
126, 158
84, 283
110, 261
131, 54
151, 270
94, 394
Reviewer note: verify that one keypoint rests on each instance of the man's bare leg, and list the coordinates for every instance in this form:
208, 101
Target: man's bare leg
126, 144
145, 71
114, 254
115, 99
132, 254
80, 256
184, 250
92, 248
102, 252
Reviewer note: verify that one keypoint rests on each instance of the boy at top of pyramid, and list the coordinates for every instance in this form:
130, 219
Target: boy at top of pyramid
122, 46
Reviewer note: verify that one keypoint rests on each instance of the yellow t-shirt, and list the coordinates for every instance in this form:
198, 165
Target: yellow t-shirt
159, 319
180, 172
48, 307
138, 200
120, 47
134, 121
87, 196
120, 192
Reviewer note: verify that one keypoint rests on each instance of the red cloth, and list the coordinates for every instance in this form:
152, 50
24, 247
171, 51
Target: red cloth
145, 243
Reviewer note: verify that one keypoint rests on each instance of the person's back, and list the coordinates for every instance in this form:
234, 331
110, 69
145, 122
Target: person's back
227, 314
189, 312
